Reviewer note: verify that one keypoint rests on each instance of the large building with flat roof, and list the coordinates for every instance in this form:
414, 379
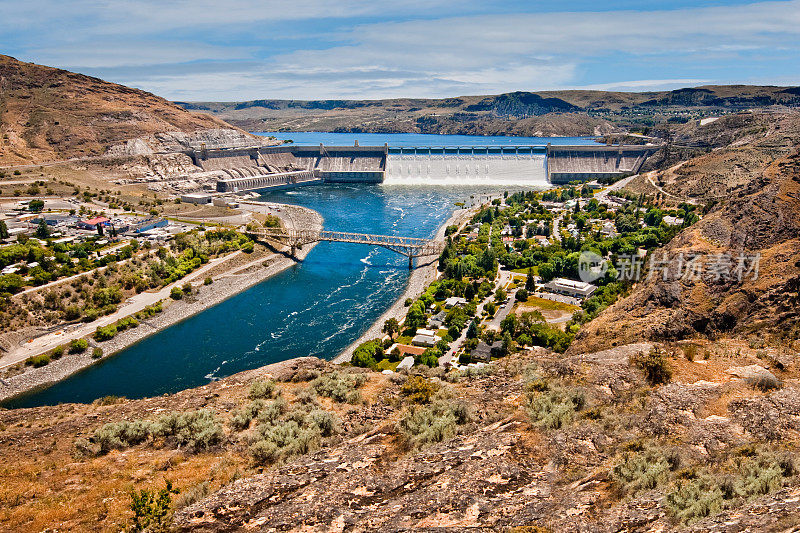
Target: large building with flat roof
568, 287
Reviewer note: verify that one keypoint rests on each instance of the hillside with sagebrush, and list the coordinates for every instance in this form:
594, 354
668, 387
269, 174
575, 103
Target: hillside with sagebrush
49, 114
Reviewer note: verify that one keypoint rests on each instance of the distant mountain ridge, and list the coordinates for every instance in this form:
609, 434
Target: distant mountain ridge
49, 114
572, 112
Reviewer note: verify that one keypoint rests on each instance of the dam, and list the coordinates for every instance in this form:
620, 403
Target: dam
272, 167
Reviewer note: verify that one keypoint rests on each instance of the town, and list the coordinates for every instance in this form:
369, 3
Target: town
509, 278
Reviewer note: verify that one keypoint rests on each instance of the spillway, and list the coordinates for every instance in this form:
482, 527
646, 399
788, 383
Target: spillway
466, 166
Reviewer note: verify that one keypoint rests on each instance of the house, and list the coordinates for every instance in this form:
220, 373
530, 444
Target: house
568, 287
672, 221
437, 321
454, 301
608, 229
425, 337
541, 240
405, 364
92, 223
484, 352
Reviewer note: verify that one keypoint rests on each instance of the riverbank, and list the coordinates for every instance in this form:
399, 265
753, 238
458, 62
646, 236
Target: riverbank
226, 283
420, 278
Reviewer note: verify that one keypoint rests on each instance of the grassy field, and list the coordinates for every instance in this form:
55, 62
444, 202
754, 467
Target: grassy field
543, 303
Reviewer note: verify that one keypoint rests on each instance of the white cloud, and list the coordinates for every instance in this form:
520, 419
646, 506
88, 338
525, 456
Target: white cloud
437, 55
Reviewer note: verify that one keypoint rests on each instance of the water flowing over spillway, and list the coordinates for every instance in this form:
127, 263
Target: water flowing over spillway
466, 169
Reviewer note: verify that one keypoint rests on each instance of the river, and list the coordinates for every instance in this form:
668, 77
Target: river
314, 308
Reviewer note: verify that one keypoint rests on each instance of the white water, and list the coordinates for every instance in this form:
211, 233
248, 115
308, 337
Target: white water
493, 169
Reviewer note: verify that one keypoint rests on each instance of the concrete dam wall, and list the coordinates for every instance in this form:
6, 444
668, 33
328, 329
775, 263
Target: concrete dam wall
245, 168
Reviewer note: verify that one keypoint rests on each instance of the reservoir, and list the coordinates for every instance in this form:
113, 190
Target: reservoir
317, 307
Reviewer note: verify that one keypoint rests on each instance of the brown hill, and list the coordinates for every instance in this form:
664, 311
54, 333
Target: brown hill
755, 183
50, 114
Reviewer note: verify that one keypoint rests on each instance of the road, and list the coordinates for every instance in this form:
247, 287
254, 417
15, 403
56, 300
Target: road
504, 276
76, 331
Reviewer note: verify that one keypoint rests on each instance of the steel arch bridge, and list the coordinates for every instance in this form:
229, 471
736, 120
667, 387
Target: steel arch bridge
410, 247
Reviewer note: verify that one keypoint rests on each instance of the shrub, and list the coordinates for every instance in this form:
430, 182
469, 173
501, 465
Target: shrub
196, 429
38, 361
57, 353
119, 435
78, 346
272, 411
655, 366
193, 495
151, 509
693, 499
555, 407
241, 417
339, 387
327, 423
263, 389
104, 333
640, 471
208, 281
419, 390
97, 353
176, 293
272, 443
421, 425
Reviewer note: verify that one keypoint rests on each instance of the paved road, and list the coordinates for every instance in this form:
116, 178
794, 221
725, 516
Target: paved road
504, 276
132, 305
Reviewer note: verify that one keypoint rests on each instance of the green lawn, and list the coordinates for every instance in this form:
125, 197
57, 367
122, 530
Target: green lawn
525, 271
385, 364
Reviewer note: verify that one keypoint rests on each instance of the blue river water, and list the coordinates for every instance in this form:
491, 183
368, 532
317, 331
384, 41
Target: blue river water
317, 307
417, 139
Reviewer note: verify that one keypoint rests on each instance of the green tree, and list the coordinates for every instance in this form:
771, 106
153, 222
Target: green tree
151, 509
3, 230
472, 331
416, 315
42, 231
391, 326
508, 343
530, 284
36, 205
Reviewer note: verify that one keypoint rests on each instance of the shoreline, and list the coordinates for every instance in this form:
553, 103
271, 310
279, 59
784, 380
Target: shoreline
226, 286
418, 281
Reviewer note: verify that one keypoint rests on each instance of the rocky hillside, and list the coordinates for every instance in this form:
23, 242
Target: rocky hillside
636, 438
51, 114
520, 113
752, 185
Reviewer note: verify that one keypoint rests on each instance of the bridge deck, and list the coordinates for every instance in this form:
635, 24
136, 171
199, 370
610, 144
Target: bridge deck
408, 246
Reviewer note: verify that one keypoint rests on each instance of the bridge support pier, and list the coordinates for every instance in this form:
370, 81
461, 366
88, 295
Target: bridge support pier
410, 262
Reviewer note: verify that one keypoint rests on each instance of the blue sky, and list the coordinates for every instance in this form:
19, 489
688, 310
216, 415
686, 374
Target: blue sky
314, 49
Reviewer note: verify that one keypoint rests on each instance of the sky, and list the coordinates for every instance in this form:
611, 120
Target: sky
234, 50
